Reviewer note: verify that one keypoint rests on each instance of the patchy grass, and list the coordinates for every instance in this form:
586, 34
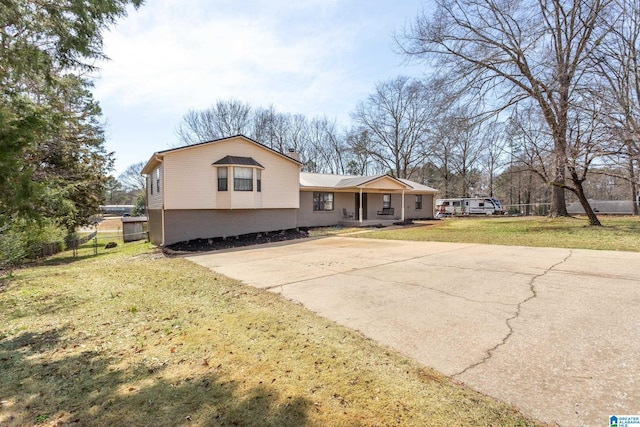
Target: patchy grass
333, 231
617, 233
132, 335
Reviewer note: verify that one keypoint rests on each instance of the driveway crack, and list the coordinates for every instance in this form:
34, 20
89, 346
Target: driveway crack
355, 270
533, 294
435, 290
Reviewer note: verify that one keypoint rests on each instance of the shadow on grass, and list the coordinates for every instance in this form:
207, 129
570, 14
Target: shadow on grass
42, 305
65, 258
48, 378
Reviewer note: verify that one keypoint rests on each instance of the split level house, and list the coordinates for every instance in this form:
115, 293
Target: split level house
234, 186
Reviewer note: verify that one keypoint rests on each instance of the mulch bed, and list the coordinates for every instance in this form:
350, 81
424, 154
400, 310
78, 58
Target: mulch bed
217, 243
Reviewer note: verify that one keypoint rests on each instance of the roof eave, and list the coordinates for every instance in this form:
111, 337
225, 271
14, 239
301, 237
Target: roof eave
188, 147
153, 162
379, 177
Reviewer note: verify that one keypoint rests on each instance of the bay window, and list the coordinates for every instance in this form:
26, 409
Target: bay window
258, 180
222, 178
242, 179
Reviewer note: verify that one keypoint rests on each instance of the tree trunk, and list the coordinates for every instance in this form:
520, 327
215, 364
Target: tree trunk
634, 188
593, 219
558, 201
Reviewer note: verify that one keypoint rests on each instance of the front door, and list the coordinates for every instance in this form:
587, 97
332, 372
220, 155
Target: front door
364, 205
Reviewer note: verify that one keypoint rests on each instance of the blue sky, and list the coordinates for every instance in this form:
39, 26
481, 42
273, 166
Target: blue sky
314, 57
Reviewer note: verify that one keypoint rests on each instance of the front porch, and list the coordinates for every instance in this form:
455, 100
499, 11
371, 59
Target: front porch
361, 201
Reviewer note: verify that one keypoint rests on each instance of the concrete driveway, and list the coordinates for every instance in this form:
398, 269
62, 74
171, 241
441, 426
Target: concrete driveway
555, 332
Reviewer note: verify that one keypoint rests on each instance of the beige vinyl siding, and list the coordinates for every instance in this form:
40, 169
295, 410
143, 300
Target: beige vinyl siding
384, 184
223, 199
155, 199
191, 179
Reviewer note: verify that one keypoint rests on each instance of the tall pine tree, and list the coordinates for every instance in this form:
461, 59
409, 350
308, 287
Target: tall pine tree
52, 159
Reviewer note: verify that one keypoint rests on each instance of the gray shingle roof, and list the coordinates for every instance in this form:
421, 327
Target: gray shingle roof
320, 180
419, 187
357, 180
335, 181
237, 160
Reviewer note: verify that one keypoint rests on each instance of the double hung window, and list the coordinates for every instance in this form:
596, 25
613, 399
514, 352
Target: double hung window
386, 201
258, 180
222, 178
322, 201
242, 179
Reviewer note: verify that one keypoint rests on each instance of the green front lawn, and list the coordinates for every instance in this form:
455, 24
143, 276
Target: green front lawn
617, 233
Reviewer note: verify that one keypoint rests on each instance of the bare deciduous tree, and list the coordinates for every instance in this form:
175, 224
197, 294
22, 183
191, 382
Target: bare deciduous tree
467, 149
272, 128
397, 119
495, 142
619, 68
131, 178
588, 143
326, 146
508, 51
359, 144
225, 118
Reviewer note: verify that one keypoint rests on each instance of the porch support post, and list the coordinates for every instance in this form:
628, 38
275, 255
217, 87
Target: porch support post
360, 207
402, 215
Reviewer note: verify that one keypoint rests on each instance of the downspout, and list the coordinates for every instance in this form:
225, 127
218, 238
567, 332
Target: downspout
402, 210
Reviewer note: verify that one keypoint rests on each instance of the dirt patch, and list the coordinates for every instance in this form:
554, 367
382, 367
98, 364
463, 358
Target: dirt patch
103, 224
212, 244
110, 224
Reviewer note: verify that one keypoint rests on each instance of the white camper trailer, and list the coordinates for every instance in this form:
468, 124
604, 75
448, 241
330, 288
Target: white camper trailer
468, 206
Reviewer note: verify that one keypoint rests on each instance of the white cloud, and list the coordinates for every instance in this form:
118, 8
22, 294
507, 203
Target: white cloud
311, 56
167, 57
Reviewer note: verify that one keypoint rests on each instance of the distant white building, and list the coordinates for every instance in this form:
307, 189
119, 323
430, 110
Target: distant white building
115, 209
606, 207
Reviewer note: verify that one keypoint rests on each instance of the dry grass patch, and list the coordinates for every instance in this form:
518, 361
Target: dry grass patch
334, 231
134, 337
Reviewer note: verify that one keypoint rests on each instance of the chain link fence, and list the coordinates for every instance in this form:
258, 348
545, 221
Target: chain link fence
527, 209
600, 207
89, 244
101, 242
15, 250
